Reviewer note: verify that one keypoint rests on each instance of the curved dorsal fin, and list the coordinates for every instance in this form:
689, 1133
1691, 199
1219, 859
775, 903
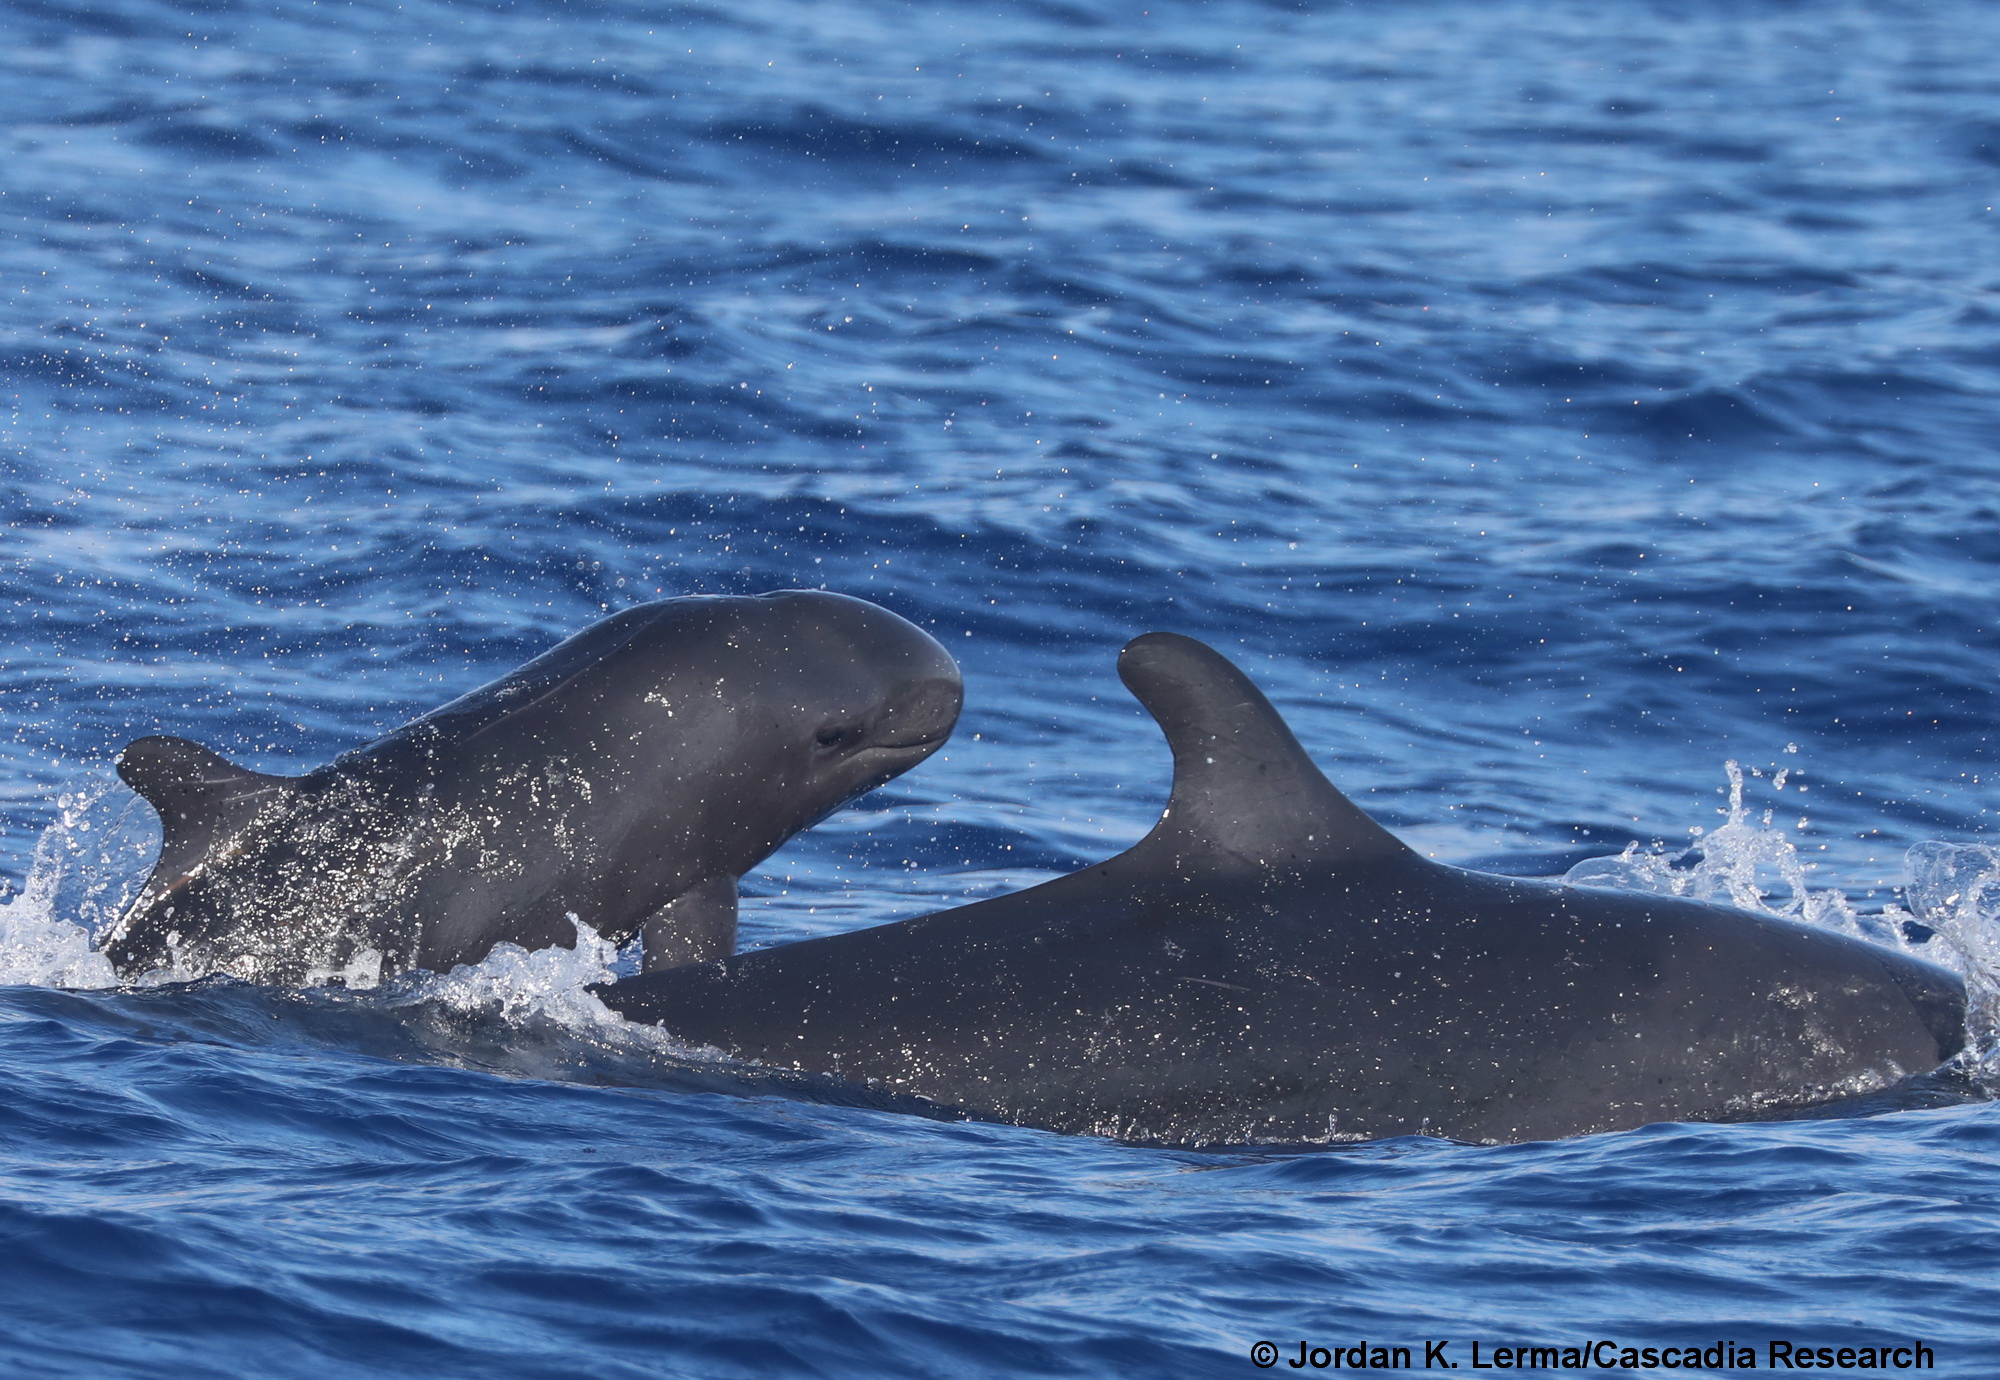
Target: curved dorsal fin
1242, 784
200, 797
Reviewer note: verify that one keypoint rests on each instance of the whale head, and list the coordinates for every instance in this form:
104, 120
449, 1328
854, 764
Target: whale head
845, 695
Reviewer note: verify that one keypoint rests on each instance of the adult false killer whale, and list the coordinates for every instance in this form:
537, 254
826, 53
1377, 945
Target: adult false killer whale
627, 778
1269, 964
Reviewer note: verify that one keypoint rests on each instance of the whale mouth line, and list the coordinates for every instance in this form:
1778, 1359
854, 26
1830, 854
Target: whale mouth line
905, 745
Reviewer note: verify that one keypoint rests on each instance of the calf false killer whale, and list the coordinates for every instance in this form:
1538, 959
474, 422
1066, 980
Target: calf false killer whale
1269, 964
627, 777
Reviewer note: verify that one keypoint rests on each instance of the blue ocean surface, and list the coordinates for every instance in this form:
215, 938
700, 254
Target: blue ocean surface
1570, 415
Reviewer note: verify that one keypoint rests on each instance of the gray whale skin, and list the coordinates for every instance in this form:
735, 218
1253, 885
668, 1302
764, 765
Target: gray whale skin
1269, 964
627, 777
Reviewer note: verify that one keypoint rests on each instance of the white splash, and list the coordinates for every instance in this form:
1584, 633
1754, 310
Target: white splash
38, 950
87, 866
547, 987
1743, 862
362, 973
1955, 890
517, 985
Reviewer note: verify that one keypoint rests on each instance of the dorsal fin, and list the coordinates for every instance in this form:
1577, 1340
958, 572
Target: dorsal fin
200, 797
1243, 786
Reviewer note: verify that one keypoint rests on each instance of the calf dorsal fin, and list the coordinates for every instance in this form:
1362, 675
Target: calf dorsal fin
201, 797
1243, 787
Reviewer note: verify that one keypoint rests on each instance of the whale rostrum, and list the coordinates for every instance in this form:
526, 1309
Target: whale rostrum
1270, 964
625, 779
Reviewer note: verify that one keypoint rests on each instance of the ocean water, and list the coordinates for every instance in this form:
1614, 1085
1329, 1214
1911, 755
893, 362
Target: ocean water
1547, 404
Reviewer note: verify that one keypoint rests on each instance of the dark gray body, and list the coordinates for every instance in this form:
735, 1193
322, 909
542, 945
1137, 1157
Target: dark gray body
1269, 964
627, 778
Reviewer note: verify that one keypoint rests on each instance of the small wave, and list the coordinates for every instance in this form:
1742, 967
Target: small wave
202, 139
814, 132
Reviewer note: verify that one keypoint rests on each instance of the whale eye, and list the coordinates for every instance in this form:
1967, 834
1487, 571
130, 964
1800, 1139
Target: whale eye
834, 737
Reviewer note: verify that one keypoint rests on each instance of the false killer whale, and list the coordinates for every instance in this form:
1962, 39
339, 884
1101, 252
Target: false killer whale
626, 778
1269, 964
